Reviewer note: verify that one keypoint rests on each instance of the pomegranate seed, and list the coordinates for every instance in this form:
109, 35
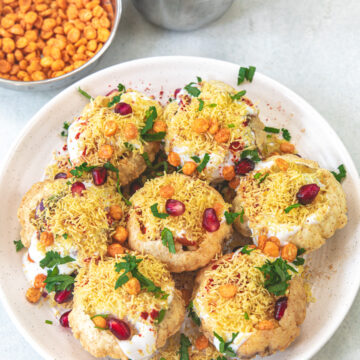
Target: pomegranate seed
307, 193
174, 207
64, 319
176, 92
144, 315
123, 108
62, 296
77, 188
236, 146
280, 307
154, 314
210, 221
119, 328
244, 166
60, 175
99, 175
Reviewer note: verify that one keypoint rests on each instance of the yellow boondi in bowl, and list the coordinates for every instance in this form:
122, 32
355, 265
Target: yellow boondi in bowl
277, 200
178, 219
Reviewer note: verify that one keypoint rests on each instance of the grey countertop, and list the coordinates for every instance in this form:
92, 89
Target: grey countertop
312, 47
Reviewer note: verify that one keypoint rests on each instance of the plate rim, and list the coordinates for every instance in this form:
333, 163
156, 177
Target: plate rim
285, 91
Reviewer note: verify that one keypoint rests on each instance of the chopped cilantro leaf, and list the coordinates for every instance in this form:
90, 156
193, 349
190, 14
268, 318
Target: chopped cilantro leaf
204, 162
79, 170
250, 154
66, 126
246, 73
271, 130
293, 206
151, 115
224, 347
212, 105
231, 126
18, 245
201, 104
129, 146
49, 322
246, 316
116, 98
53, 258
300, 252
299, 260
84, 93
121, 87
154, 137
230, 216
342, 173
56, 282
196, 159
246, 250
192, 90
161, 316
195, 318
250, 73
286, 134
156, 213
238, 95
168, 240
184, 347
199, 79
65, 236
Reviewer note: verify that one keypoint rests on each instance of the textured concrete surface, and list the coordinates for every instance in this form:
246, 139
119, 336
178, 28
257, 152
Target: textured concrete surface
310, 46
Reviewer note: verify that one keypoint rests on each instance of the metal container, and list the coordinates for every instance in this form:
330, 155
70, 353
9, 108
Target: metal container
73, 76
182, 15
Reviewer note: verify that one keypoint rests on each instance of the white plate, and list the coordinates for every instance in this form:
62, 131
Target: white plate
336, 266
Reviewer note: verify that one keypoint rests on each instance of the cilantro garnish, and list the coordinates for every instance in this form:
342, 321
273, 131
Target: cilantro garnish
246, 73
66, 126
230, 216
65, 236
212, 105
151, 115
250, 154
192, 90
246, 316
109, 166
18, 245
105, 316
259, 176
286, 134
130, 265
231, 126
129, 146
156, 213
220, 358
199, 79
79, 170
195, 318
116, 99
204, 162
201, 104
49, 322
276, 275
342, 173
271, 130
161, 316
154, 167
154, 137
224, 347
53, 258
168, 240
299, 260
184, 346
293, 206
56, 282
246, 250
196, 159
84, 93
238, 95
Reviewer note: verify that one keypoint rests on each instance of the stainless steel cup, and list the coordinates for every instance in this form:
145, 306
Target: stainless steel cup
182, 15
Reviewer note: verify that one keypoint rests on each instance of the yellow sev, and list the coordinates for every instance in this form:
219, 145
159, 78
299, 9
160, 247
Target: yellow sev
194, 193
230, 114
265, 203
95, 289
228, 315
96, 114
80, 221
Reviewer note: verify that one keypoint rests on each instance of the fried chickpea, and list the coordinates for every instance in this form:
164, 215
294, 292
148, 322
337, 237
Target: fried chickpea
121, 234
275, 240
115, 249
130, 131
99, 322
159, 126
167, 191
289, 252
201, 342
234, 183
110, 128
72, 12
116, 212
282, 164
228, 291
265, 325
262, 241
57, 65
90, 33
218, 207
105, 151
104, 22
287, 148
200, 125
46, 238
133, 286
7, 22
173, 159
85, 15
48, 24
38, 75
33, 295
17, 30
5, 66
73, 35
228, 172
271, 249
189, 167
8, 45
91, 45
55, 53
39, 281
30, 17
46, 61
214, 126
222, 136
18, 55
103, 34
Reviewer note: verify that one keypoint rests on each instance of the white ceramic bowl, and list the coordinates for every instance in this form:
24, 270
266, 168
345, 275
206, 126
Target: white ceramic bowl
335, 267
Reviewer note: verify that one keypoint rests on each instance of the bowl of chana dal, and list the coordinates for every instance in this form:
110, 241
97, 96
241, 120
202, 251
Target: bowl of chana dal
48, 44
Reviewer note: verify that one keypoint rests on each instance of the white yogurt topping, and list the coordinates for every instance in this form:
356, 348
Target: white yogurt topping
74, 145
238, 341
